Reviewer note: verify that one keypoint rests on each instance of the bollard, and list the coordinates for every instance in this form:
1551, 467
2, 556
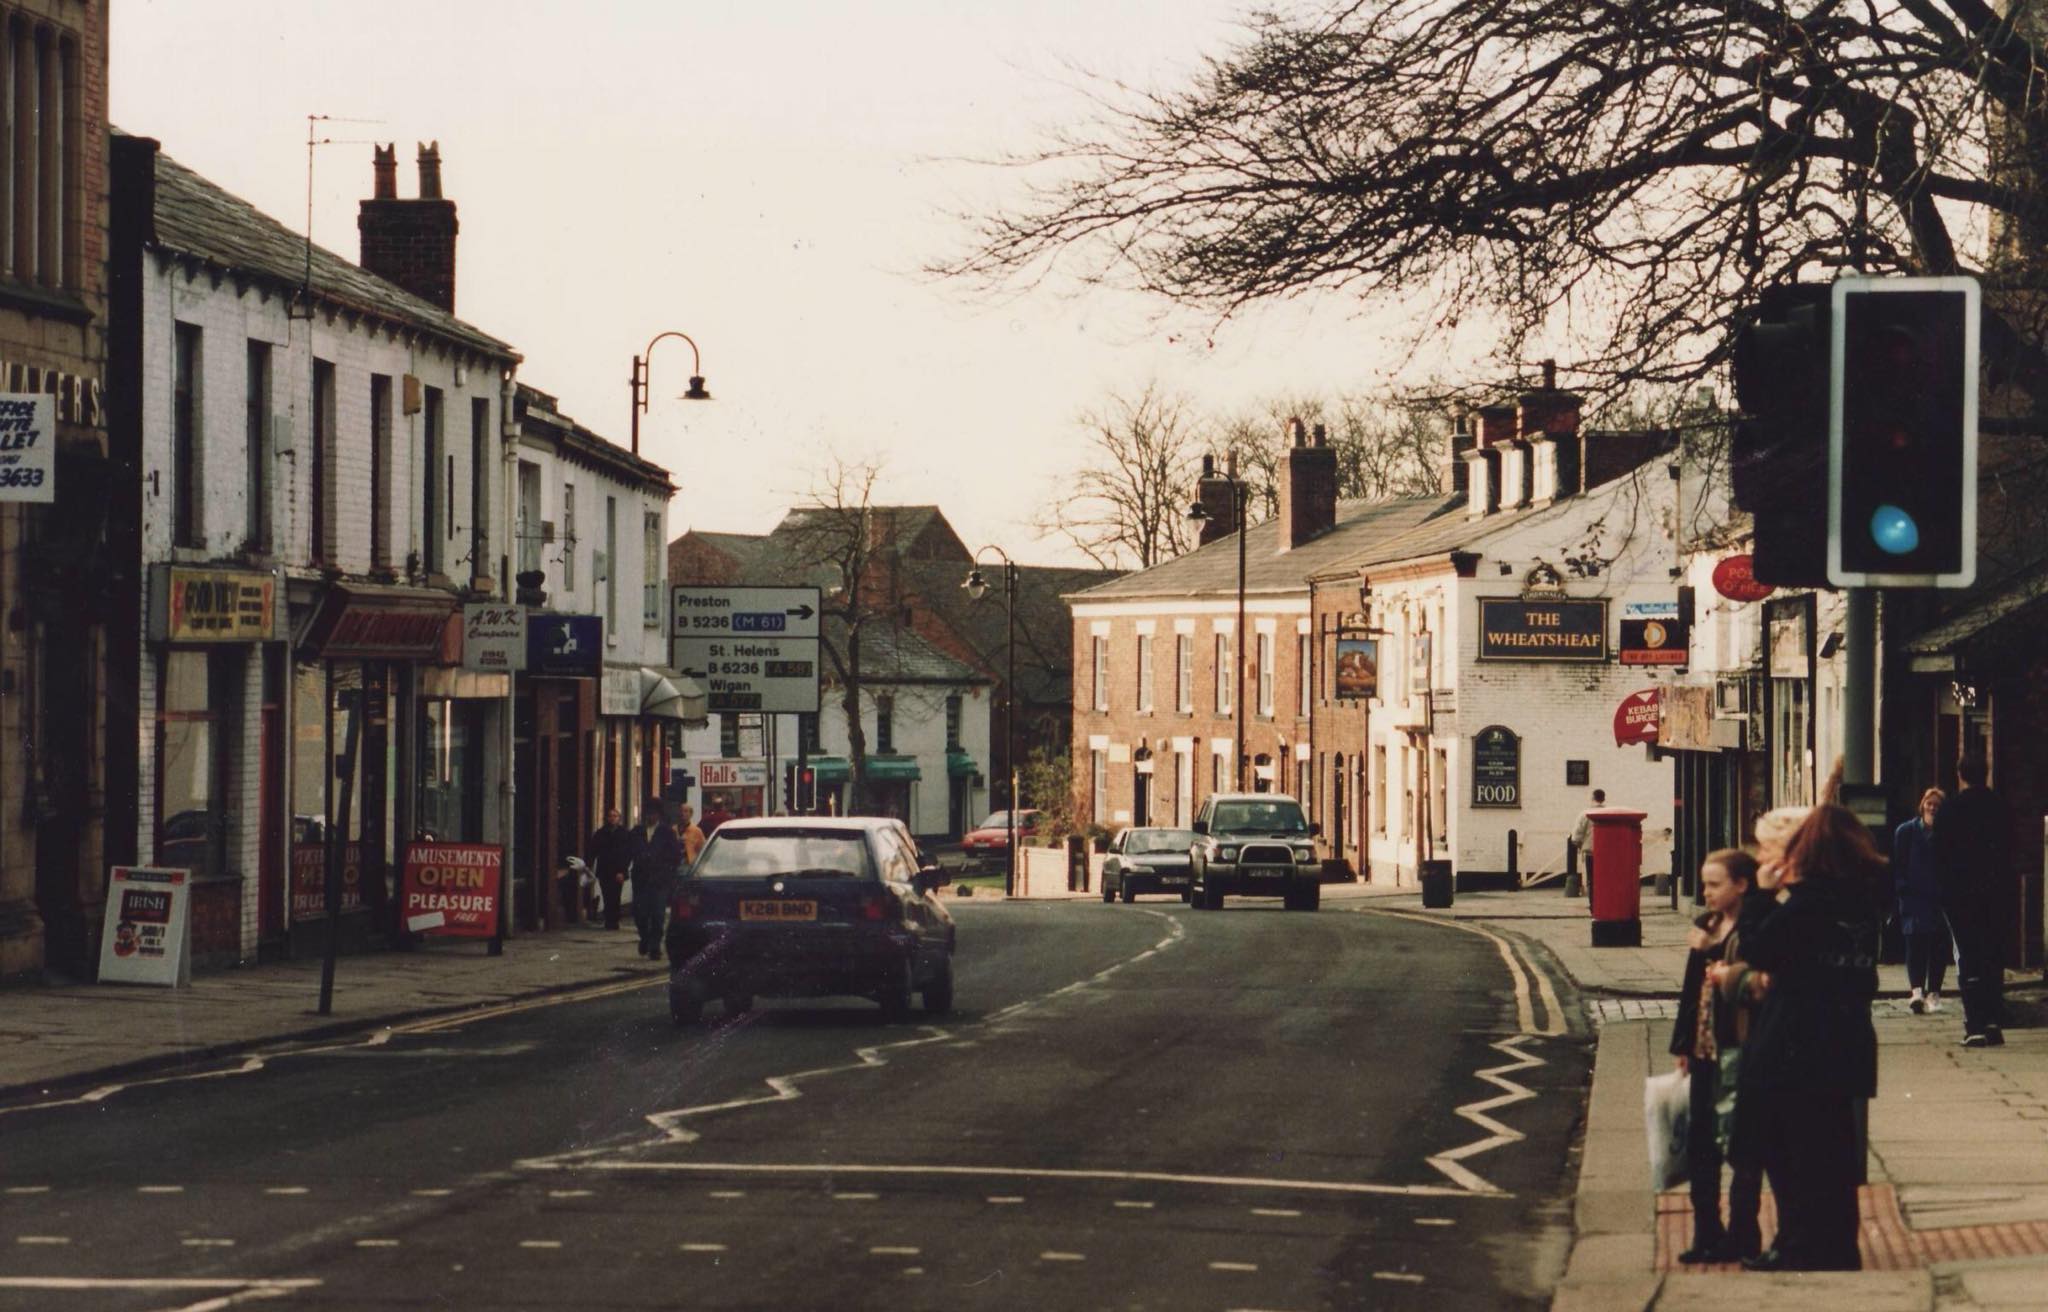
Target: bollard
1572, 885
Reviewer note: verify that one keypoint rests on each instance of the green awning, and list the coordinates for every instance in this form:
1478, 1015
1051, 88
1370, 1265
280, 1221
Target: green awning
830, 769
891, 769
960, 765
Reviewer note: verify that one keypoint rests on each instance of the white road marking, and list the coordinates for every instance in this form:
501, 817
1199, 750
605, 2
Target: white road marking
1451, 1163
1134, 1204
160, 1189
1056, 1256
570, 1193
288, 1191
1233, 1266
894, 1250
209, 1243
1004, 1200
191, 1284
42, 1239
431, 1193
1434, 1220
28, 1189
376, 1243
1405, 1277
1275, 1211
856, 1197
540, 1243
1525, 1013
913, 1270
1053, 1173
728, 1193
702, 1248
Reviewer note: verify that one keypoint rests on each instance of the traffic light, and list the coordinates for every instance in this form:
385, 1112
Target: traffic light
1902, 450
789, 802
807, 790
1778, 452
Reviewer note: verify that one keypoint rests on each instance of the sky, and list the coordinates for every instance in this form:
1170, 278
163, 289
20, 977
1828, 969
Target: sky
769, 178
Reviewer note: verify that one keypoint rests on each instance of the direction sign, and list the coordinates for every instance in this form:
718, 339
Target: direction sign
743, 673
707, 612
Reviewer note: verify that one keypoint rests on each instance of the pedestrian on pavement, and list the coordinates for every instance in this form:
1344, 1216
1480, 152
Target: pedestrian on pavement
656, 857
689, 835
1812, 1052
1918, 891
1972, 864
1582, 836
715, 815
1704, 1040
610, 854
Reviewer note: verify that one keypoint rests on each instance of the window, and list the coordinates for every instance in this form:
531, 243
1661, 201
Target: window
1098, 772
1304, 775
1265, 650
1304, 686
1224, 678
39, 241
529, 517
567, 536
431, 489
380, 471
479, 488
1378, 786
1340, 830
953, 723
728, 735
1184, 673
885, 724
1441, 815
186, 459
650, 551
320, 542
1101, 654
257, 421
191, 773
1144, 672
610, 571
1216, 772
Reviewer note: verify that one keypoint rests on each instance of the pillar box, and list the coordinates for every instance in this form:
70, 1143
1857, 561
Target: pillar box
1617, 892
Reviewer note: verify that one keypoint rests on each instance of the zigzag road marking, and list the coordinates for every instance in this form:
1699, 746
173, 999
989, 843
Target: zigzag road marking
1499, 1135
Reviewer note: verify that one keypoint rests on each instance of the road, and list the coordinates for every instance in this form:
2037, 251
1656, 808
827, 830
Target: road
1136, 1107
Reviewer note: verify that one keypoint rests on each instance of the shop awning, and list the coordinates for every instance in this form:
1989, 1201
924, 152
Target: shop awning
830, 769
961, 765
893, 768
671, 695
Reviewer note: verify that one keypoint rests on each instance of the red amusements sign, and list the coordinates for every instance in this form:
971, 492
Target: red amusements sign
1735, 578
451, 889
1635, 720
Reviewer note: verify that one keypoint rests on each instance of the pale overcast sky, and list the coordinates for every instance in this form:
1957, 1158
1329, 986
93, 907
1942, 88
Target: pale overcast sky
761, 176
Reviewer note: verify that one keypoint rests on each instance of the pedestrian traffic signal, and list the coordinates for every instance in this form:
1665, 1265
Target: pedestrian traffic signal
1902, 449
1778, 450
806, 790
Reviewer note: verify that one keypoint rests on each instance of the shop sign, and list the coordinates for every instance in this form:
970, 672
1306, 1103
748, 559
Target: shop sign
309, 880
397, 624
733, 774
619, 694
1520, 630
1496, 768
211, 605
451, 889
493, 637
147, 938
565, 646
1358, 667
28, 446
1635, 720
1791, 646
1735, 578
1685, 720
1654, 642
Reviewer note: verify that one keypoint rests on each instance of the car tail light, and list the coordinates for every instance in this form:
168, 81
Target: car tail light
872, 908
684, 907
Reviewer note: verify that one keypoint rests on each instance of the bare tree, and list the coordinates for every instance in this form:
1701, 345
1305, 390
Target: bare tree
1384, 449
1129, 504
1618, 177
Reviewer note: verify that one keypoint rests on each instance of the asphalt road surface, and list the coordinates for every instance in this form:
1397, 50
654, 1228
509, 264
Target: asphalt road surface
1138, 1107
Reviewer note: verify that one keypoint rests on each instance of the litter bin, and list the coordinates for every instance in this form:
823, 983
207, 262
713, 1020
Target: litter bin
1617, 892
1439, 885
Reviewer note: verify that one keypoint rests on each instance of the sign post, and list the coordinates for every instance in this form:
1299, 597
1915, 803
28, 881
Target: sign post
754, 649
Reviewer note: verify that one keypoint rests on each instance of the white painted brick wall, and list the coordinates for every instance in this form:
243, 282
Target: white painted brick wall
637, 642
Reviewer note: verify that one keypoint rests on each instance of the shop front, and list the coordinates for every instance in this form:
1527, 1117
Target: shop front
642, 706
555, 760
734, 787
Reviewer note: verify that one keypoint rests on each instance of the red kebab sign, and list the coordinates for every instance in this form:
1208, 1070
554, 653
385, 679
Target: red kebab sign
451, 889
1635, 720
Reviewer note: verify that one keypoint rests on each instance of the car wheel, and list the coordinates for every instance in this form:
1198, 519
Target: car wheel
738, 1003
1184, 897
895, 996
1108, 890
938, 995
1213, 899
1312, 897
1128, 893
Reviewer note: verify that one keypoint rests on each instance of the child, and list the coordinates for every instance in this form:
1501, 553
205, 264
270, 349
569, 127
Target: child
1707, 1028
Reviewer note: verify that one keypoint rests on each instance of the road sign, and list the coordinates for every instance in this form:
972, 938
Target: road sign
742, 673
706, 612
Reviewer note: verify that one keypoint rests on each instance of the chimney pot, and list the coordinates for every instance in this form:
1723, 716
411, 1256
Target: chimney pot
1550, 375
384, 168
430, 171
1322, 435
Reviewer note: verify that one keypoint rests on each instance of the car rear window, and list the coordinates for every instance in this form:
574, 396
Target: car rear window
753, 853
1160, 840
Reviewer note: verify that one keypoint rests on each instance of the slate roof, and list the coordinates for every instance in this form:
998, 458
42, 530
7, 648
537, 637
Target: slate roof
1211, 570
890, 653
575, 440
196, 218
1044, 620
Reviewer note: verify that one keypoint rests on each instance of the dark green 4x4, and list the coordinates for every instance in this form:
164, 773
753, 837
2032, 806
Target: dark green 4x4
1256, 845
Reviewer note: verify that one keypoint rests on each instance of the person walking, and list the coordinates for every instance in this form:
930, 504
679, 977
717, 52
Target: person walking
1972, 864
1918, 892
1704, 1040
1812, 1052
610, 854
689, 835
1582, 837
656, 857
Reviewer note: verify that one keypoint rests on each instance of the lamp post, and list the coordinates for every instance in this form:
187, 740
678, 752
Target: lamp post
977, 588
639, 380
1240, 494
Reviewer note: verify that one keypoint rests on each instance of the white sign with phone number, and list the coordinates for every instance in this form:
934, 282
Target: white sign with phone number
28, 446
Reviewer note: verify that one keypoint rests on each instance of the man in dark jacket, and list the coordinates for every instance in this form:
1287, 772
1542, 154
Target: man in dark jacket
1972, 863
657, 856
611, 856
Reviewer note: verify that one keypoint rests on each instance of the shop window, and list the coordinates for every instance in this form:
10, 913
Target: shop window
953, 723
380, 471
432, 488
885, 724
191, 769
452, 746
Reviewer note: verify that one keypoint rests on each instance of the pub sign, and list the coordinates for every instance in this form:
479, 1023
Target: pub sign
1358, 667
1514, 629
1496, 767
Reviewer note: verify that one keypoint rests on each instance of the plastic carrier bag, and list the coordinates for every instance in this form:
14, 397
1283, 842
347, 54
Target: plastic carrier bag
1667, 1102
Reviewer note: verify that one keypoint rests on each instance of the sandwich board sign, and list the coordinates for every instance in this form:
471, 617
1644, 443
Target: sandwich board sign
147, 938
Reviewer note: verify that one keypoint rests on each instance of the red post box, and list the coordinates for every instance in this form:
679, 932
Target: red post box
1617, 893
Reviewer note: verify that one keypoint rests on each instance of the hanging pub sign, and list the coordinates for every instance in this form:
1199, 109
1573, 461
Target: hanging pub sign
1517, 629
451, 889
1496, 767
147, 937
1358, 666
1653, 634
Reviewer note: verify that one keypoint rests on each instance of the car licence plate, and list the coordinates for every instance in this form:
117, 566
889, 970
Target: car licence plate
777, 909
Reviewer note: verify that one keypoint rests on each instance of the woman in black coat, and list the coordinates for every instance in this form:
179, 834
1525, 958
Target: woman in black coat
1812, 1053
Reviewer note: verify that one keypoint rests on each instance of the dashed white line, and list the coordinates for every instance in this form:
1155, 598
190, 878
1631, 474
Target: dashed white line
1276, 1211
702, 1248
209, 1243
288, 1191
376, 1243
894, 1250
160, 1189
913, 1270
570, 1193
728, 1193
856, 1169
28, 1189
1053, 1255
42, 1239
431, 1193
1434, 1220
1405, 1277
1005, 1200
855, 1197
540, 1243
1233, 1266
1135, 1204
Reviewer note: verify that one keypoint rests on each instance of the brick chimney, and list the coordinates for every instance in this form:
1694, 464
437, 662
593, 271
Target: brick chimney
1464, 437
410, 242
1549, 418
1213, 494
1608, 456
1308, 486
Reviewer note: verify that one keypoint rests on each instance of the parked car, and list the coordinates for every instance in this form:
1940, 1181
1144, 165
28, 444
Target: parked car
987, 845
805, 907
1148, 860
1257, 844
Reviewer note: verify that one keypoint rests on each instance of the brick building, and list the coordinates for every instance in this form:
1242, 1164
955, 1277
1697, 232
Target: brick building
57, 575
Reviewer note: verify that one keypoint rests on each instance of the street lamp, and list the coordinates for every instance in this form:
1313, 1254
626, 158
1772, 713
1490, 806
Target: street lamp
976, 586
696, 390
1240, 493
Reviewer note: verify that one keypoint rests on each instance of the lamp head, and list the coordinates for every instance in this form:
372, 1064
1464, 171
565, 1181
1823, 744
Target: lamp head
1198, 513
976, 584
696, 392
